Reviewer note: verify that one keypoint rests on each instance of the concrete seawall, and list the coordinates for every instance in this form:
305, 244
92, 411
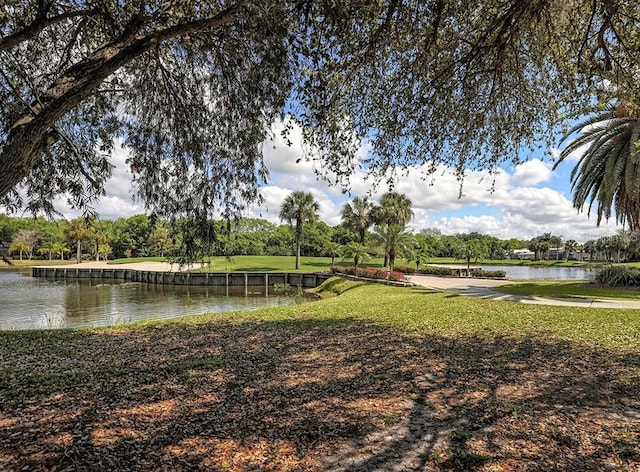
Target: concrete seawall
218, 279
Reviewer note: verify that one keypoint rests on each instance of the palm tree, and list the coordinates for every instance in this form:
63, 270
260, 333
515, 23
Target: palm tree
333, 249
472, 249
77, 230
609, 170
47, 249
394, 238
394, 209
357, 252
357, 216
299, 207
570, 247
590, 247
18, 246
60, 248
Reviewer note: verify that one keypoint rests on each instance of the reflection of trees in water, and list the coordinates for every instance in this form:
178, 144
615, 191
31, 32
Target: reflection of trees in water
51, 303
85, 301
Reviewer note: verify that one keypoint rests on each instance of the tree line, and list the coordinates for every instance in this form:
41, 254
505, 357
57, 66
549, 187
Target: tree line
367, 229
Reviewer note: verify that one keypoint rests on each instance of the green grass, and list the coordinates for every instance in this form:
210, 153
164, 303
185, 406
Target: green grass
260, 263
132, 260
17, 264
568, 289
427, 312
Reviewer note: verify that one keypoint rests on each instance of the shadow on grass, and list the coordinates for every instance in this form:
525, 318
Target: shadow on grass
312, 395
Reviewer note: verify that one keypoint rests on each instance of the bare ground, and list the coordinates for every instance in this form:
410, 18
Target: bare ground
313, 395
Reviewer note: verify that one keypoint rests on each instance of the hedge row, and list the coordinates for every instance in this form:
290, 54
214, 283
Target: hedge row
368, 273
449, 272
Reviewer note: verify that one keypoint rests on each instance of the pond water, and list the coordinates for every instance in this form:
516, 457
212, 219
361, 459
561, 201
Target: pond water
32, 302
542, 273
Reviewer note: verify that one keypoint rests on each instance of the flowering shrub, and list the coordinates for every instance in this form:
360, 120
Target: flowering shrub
371, 273
488, 274
442, 271
405, 269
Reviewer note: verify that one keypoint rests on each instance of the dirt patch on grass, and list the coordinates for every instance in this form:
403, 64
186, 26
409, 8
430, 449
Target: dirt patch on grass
305, 396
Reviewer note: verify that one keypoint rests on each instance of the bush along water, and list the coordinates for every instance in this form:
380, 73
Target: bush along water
368, 273
618, 276
450, 272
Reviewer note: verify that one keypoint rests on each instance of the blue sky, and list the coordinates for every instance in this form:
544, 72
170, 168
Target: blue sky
528, 200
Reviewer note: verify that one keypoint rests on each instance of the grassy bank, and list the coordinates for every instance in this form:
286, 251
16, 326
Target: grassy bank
370, 378
569, 289
17, 264
260, 263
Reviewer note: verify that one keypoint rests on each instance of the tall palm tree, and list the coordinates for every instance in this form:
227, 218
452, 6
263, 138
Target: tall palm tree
299, 207
357, 216
394, 209
609, 170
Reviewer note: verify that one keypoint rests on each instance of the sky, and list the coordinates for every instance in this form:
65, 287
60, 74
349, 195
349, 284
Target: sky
527, 200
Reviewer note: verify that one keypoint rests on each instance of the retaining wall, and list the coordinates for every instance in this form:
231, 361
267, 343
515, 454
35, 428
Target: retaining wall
219, 279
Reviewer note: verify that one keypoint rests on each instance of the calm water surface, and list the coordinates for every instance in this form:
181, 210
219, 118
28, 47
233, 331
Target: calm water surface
32, 302
542, 273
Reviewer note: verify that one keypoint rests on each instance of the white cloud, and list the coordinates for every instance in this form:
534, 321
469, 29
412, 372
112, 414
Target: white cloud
532, 172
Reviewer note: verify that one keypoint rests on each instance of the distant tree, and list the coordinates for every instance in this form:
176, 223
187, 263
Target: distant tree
334, 250
357, 215
570, 247
19, 247
356, 251
298, 208
46, 249
28, 239
590, 247
104, 251
61, 249
418, 252
77, 230
394, 239
471, 250
160, 239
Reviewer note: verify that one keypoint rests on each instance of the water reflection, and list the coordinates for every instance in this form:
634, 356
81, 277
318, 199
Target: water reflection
543, 273
27, 302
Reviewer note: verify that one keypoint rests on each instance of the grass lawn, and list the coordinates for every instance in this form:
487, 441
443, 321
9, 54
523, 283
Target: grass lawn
568, 289
369, 378
263, 263
17, 264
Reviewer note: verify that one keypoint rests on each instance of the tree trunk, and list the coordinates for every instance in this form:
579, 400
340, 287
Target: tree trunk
79, 251
32, 132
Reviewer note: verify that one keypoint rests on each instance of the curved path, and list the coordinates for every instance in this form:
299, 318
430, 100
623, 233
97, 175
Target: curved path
483, 288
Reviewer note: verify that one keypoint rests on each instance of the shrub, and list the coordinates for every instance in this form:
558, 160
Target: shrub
368, 273
441, 271
405, 269
618, 276
488, 274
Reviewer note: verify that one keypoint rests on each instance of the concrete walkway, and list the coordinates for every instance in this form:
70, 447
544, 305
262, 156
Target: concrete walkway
483, 288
